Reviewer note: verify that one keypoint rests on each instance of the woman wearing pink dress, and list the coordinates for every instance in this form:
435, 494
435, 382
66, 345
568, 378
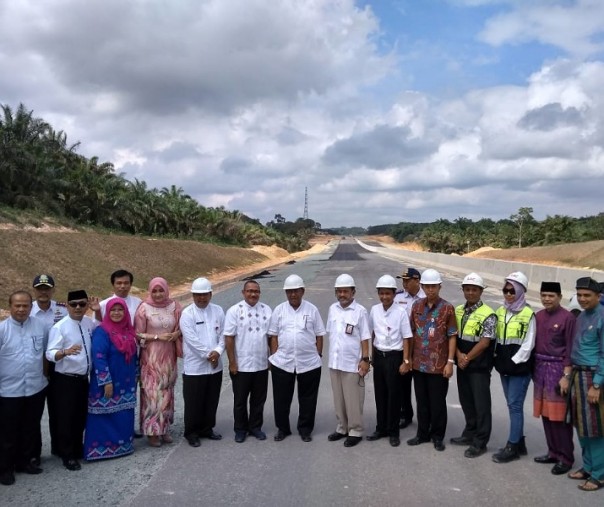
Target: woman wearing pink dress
158, 335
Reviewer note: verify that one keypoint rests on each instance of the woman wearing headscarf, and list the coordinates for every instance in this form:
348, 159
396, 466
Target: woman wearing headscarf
513, 359
159, 338
112, 392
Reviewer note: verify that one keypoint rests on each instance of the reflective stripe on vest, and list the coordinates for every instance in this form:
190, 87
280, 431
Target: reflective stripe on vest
514, 331
472, 330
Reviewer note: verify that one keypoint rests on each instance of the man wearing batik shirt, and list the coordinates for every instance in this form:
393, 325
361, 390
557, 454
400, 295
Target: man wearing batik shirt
587, 357
246, 340
553, 345
434, 343
412, 292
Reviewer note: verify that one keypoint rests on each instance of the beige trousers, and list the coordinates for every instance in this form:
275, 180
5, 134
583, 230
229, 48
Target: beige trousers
348, 398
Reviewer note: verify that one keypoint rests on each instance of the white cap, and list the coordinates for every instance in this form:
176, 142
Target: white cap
518, 277
386, 282
473, 279
293, 282
344, 281
201, 286
431, 277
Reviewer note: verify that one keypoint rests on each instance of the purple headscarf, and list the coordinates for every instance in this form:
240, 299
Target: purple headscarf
520, 301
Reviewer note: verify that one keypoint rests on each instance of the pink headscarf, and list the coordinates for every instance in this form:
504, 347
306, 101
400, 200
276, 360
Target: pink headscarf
158, 282
120, 333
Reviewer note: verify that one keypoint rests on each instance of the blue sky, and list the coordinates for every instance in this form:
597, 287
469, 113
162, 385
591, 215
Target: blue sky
386, 111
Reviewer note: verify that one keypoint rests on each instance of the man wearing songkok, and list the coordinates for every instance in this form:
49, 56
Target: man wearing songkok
22, 384
201, 324
587, 357
296, 343
69, 347
246, 340
476, 323
553, 345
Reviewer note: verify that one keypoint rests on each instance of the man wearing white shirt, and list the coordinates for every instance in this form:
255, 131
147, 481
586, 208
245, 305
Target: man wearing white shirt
412, 292
296, 344
201, 324
391, 333
49, 312
246, 341
349, 336
121, 280
22, 384
69, 346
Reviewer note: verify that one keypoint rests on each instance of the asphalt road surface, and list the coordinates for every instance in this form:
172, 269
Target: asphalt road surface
319, 473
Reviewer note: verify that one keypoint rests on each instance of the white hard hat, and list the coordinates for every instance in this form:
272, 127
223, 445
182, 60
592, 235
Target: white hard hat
573, 304
386, 282
293, 282
473, 279
518, 277
431, 277
201, 286
344, 281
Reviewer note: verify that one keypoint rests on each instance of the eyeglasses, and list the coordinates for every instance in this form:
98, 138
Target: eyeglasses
511, 292
78, 304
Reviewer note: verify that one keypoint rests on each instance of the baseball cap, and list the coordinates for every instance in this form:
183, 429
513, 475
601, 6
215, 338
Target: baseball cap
41, 280
410, 273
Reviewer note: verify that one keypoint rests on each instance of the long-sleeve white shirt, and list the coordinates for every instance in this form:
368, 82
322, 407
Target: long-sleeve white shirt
202, 333
347, 328
296, 330
22, 357
63, 335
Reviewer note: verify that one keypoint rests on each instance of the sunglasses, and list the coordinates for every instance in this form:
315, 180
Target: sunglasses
78, 304
511, 292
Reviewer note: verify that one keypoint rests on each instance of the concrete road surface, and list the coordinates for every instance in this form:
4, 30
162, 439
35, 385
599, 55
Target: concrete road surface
319, 473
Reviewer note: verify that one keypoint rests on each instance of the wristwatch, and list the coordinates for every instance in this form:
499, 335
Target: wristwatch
365, 358
406, 361
596, 386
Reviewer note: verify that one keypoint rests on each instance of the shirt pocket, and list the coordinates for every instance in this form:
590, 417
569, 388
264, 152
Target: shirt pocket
38, 342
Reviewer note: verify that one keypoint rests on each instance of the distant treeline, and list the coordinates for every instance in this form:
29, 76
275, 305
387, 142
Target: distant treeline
521, 229
41, 171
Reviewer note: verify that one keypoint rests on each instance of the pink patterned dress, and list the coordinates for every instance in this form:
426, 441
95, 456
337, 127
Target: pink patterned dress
158, 369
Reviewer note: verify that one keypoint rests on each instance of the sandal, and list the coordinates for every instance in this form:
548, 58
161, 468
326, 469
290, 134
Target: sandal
154, 441
579, 475
167, 438
591, 484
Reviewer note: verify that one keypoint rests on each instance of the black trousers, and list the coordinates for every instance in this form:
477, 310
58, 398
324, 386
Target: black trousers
283, 393
252, 386
19, 427
431, 397
387, 386
406, 406
68, 396
201, 394
474, 388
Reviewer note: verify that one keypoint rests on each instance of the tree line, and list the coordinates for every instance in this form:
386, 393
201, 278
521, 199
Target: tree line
520, 229
41, 171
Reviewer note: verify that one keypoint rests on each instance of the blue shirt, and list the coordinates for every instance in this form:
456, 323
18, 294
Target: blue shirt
588, 345
21, 357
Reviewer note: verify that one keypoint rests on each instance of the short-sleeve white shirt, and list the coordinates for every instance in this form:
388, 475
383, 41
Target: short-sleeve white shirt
296, 330
249, 325
406, 300
390, 327
347, 328
202, 333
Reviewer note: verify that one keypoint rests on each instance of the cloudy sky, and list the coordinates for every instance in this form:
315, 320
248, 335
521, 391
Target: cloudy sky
387, 110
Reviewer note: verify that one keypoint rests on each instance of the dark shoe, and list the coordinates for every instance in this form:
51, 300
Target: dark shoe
259, 434
352, 441
417, 440
579, 475
306, 438
474, 452
240, 436
194, 441
545, 459
212, 436
404, 423
376, 435
138, 434
29, 469
72, 464
332, 437
7, 478
439, 445
36, 461
560, 468
281, 435
522, 447
461, 441
394, 441
507, 454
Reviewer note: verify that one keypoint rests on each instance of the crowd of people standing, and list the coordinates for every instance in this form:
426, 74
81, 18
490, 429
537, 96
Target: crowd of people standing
86, 358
